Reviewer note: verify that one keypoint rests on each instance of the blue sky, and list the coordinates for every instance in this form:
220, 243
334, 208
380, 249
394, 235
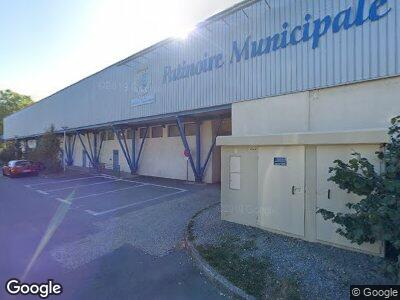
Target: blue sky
49, 44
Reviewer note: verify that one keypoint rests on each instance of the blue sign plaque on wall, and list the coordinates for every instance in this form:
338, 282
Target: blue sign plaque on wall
280, 161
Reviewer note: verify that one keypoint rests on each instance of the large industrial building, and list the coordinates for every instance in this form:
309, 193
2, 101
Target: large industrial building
287, 86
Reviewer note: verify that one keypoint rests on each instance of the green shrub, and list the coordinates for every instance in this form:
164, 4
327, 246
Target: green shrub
48, 151
10, 151
377, 216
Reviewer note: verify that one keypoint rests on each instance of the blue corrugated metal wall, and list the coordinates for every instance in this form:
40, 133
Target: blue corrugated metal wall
135, 88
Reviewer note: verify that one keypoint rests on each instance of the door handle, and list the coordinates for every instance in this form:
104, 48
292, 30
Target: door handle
329, 193
293, 189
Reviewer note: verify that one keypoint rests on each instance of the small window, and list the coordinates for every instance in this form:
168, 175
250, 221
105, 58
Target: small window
226, 128
157, 132
190, 129
110, 135
103, 135
173, 131
129, 133
142, 132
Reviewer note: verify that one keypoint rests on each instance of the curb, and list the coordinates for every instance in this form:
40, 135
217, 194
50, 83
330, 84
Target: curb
212, 275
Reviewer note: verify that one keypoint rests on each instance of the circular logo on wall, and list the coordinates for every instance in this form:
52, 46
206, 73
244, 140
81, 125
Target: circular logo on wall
142, 82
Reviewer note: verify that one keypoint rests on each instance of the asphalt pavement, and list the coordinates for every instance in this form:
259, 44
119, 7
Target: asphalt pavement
101, 237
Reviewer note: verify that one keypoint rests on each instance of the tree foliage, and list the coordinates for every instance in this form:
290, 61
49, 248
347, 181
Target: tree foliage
11, 102
47, 151
377, 216
10, 151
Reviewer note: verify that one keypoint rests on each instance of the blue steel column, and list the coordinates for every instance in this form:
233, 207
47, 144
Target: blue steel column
133, 143
203, 169
71, 150
91, 149
95, 147
198, 150
67, 146
123, 146
187, 148
141, 148
84, 147
101, 146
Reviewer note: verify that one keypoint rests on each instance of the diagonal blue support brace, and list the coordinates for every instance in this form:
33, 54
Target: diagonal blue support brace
69, 150
84, 147
198, 148
97, 147
198, 169
126, 145
203, 169
100, 147
125, 151
95, 158
141, 149
187, 149
67, 145
133, 147
73, 149
94, 164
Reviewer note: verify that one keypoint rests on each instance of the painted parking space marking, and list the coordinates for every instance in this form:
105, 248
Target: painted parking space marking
109, 192
81, 185
148, 183
93, 213
64, 201
42, 192
62, 181
109, 185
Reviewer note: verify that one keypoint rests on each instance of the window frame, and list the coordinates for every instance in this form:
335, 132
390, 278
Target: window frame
155, 128
177, 129
109, 134
142, 130
187, 125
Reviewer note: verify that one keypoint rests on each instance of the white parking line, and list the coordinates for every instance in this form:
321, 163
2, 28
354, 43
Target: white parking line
81, 185
109, 192
147, 183
42, 192
63, 200
93, 213
62, 181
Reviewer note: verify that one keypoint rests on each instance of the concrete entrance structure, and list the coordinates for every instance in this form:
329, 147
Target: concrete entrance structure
285, 151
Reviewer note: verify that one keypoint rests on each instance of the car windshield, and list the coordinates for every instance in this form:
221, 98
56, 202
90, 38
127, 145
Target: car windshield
22, 163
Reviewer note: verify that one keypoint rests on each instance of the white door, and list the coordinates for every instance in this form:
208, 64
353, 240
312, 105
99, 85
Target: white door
281, 189
330, 197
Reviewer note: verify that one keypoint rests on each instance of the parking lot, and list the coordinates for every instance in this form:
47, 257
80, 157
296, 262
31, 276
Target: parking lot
102, 237
100, 195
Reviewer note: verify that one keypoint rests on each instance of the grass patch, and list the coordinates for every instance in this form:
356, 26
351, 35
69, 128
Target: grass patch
232, 258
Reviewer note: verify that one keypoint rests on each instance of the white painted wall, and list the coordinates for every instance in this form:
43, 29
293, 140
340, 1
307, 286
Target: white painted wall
162, 157
365, 105
330, 124
288, 113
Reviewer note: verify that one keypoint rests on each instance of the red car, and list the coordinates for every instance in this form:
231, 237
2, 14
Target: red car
21, 167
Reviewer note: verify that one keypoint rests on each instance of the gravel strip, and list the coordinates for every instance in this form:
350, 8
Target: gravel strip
323, 272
